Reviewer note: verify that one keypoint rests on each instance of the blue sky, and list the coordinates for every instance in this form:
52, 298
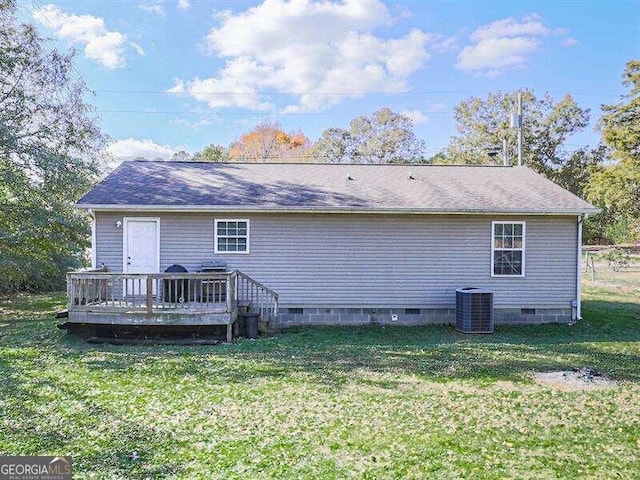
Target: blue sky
182, 74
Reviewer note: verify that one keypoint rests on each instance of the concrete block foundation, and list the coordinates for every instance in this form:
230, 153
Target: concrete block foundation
308, 316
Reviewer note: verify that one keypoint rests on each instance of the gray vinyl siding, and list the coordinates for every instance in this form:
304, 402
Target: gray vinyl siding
344, 260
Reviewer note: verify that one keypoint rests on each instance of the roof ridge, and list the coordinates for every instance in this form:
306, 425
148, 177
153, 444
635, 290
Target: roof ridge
201, 162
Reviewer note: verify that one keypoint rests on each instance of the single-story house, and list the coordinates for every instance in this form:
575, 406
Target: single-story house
340, 243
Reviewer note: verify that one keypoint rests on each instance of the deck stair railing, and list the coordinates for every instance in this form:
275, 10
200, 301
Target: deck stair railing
258, 298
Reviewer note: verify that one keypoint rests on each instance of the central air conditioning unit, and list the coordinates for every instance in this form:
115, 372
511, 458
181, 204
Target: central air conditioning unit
474, 310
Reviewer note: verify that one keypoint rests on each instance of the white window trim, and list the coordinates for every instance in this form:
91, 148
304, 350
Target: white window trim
215, 236
523, 249
125, 232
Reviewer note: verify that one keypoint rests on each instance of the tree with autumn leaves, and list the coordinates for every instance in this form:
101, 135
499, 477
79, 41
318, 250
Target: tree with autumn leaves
383, 137
267, 142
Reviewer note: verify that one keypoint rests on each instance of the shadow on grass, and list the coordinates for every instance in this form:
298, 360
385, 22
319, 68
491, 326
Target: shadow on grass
63, 396
19, 306
608, 340
112, 450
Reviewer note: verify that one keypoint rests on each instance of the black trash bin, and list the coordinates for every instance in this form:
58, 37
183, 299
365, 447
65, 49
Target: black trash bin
175, 290
251, 325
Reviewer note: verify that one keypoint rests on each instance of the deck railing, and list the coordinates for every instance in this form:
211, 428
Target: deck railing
152, 292
98, 290
260, 299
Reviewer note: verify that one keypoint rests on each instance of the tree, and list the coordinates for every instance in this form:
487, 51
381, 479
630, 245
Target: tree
267, 142
181, 156
581, 164
616, 188
49, 155
620, 124
439, 158
212, 153
384, 137
482, 125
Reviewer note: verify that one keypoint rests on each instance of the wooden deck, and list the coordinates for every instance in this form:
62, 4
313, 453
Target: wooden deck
166, 299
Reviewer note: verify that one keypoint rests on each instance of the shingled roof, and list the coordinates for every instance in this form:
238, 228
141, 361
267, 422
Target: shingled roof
158, 185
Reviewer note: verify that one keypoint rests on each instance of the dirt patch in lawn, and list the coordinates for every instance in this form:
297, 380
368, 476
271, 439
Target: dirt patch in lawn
583, 378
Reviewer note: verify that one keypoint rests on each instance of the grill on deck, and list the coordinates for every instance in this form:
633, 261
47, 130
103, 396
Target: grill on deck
217, 292
213, 267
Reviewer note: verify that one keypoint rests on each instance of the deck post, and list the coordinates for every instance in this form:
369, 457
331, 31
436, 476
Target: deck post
273, 320
231, 304
69, 290
149, 295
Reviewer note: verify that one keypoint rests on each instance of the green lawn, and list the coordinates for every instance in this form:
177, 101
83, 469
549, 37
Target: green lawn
328, 402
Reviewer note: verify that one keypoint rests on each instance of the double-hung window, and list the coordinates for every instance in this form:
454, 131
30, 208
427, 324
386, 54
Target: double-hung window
507, 249
231, 236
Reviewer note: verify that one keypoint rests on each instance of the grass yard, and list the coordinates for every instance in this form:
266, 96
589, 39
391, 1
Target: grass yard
601, 273
328, 403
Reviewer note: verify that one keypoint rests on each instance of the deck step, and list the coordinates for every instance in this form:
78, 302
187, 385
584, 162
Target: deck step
153, 341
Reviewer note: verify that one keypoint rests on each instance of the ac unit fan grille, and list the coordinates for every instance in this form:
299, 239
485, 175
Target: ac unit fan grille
474, 311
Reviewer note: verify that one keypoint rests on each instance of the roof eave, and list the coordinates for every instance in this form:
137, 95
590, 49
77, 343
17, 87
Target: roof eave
305, 209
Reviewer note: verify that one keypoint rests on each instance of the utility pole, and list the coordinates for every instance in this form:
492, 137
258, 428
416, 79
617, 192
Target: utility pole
519, 128
516, 122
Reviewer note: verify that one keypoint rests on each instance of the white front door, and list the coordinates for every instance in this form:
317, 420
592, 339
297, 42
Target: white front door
141, 248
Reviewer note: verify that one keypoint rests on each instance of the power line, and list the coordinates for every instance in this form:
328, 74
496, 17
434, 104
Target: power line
297, 94
260, 113
217, 3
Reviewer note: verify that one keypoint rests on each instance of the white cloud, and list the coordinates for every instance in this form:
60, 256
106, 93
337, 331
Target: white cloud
496, 53
139, 50
443, 44
501, 45
106, 47
316, 51
129, 149
157, 8
222, 92
184, 4
510, 27
570, 42
416, 116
